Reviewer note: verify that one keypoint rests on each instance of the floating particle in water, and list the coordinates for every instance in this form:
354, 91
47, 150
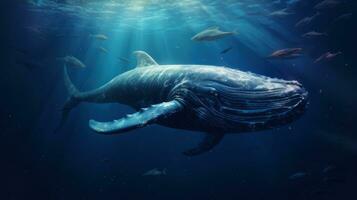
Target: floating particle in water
298, 175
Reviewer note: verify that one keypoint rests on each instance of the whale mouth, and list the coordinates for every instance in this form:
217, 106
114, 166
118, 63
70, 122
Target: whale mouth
237, 109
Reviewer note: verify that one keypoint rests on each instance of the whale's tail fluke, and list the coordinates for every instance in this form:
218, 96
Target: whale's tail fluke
72, 100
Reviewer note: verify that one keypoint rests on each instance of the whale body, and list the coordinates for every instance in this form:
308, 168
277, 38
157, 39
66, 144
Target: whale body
210, 99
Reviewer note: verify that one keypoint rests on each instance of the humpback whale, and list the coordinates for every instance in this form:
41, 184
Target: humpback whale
210, 99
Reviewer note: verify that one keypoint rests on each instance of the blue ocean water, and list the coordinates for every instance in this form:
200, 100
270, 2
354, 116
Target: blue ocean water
311, 158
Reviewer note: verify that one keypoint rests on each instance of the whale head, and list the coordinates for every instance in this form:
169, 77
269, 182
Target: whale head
247, 102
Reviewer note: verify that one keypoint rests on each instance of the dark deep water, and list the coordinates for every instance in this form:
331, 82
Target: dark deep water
311, 158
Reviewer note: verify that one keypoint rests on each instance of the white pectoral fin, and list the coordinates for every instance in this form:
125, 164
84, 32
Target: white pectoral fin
139, 119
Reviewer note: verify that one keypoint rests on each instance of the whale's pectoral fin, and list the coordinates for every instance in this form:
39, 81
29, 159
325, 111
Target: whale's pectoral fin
139, 119
209, 141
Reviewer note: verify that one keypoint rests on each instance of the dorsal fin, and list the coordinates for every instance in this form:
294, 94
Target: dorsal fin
144, 59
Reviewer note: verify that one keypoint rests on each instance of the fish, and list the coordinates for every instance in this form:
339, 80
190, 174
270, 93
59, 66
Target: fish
21, 51
329, 169
307, 20
334, 180
281, 13
343, 17
313, 34
226, 50
210, 99
296, 4
103, 50
277, 2
123, 59
35, 29
298, 175
327, 56
72, 61
286, 53
156, 172
327, 4
30, 65
211, 34
32, 2
99, 36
